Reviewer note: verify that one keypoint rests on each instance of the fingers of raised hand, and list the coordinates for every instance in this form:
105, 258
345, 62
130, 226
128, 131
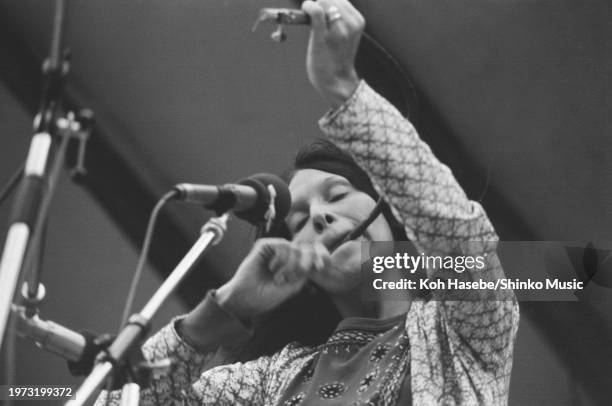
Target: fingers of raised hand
340, 14
317, 14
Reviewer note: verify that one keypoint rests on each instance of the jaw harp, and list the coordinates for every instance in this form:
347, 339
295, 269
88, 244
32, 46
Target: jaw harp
284, 16
287, 16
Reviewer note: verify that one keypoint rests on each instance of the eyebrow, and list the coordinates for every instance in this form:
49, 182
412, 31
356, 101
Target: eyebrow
334, 179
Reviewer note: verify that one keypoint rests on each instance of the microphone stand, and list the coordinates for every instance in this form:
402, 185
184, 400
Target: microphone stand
41, 173
129, 338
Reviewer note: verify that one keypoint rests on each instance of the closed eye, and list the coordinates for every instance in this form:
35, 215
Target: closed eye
337, 197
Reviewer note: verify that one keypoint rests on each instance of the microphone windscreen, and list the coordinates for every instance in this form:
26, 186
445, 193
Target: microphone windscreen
282, 201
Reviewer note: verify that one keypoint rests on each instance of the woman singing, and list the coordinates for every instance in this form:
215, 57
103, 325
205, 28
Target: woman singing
425, 350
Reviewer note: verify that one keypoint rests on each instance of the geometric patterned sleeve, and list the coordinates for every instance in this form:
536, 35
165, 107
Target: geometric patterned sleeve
200, 378
437, 215
422, 192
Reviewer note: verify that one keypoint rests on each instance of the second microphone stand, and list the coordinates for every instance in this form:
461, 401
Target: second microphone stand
115, 357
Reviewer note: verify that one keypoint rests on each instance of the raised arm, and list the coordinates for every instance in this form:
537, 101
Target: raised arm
422, 191
438, 216
423, 194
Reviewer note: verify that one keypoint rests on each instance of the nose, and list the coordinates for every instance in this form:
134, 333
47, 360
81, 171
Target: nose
322, 220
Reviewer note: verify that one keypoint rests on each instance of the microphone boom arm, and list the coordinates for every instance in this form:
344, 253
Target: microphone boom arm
132, 334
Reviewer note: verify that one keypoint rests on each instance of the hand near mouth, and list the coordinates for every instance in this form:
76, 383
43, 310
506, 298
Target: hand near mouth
343, 273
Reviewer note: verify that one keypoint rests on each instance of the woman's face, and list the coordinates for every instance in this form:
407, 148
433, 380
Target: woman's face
326, 207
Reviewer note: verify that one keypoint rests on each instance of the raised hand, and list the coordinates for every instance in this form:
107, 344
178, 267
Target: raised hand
330, 62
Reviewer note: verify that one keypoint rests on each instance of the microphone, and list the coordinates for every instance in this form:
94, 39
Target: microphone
259, 198
79, 349
50, 336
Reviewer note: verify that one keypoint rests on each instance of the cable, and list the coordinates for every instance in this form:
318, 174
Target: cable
413, 107
143, 255
10, 185
360, 228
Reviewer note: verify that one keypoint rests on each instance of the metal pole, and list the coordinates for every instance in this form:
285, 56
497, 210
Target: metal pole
132, 333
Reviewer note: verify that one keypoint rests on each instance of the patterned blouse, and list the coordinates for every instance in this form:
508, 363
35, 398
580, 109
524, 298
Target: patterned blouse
441, 352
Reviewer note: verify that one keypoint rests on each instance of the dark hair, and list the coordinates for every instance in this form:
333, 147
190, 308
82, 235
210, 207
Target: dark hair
310, 316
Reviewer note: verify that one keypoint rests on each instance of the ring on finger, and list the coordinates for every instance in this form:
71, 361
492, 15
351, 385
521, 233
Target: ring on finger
333, 14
